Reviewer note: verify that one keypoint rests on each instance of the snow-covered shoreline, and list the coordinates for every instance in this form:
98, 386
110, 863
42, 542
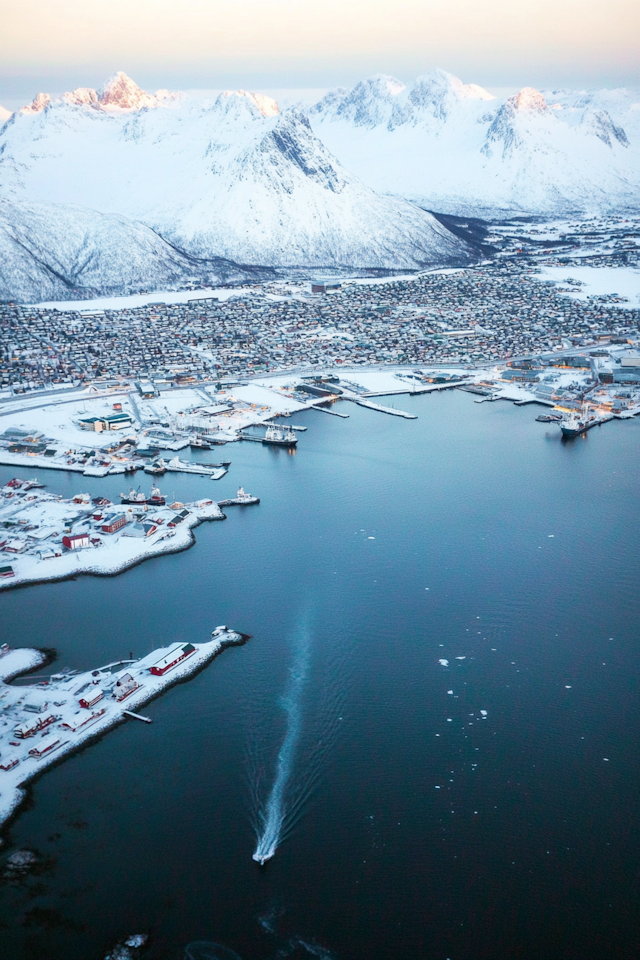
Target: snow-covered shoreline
120, 556
106, 713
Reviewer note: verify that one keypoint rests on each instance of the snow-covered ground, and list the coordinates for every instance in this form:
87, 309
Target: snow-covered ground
599, 281
75, 724
49, 517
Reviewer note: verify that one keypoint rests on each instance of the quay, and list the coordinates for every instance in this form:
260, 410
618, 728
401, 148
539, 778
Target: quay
380, 408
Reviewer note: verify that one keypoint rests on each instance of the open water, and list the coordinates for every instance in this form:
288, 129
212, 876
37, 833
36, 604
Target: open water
398, 578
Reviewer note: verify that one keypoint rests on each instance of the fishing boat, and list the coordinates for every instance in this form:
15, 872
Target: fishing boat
137, 498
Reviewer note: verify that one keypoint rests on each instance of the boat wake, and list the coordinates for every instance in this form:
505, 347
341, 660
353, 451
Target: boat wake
271, 816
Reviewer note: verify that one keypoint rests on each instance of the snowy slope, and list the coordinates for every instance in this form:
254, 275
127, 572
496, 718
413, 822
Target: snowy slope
53, 251
456, 149
230, 178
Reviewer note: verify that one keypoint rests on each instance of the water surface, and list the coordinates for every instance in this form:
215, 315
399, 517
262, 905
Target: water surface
415, 826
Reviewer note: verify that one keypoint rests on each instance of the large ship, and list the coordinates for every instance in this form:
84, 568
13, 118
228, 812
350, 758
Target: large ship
279, 436
138, 498
577, 423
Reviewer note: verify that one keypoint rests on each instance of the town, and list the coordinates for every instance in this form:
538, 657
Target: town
496, 309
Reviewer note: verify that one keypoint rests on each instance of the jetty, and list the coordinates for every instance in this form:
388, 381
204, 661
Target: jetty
51, 718
377, 406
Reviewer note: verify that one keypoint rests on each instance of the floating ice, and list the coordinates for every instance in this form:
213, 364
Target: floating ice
461, 658
445, 663
370, 538
483, 713
449, 691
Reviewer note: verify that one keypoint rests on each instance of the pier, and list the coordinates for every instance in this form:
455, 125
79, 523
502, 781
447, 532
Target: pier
381, 409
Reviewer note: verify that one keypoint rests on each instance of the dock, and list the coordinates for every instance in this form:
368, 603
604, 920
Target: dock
376, 406
333, 413
137, 716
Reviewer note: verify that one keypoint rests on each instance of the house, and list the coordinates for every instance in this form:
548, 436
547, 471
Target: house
15, 546
124, 687
9, 762
80, 720
114, 523
139, 529
49, 553
170, 660
179, 517
29, 728
326, 286
75, 541
45, 746
6, 572
91, 697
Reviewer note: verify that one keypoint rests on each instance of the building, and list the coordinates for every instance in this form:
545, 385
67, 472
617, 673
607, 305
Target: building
15, 546
29, 728
326, 286
124, 687
75, 541
45, 746
6, 572
113, 524
141, 530
113, 421
91, 697
175, 656
179, 517
81, 720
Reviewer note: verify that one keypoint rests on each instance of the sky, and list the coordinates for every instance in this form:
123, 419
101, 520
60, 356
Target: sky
55, 45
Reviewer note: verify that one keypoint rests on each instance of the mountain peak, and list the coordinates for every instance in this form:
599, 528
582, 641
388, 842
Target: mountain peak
82, 96
38, 104
120, 92
266, 105
528, 99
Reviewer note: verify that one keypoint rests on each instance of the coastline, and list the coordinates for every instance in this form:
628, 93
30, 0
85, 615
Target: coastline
74, 566
15, 782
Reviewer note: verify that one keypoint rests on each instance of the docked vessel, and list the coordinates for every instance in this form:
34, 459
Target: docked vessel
280, 436
197, 443
574, 425
241, 499
137, 498
213, 470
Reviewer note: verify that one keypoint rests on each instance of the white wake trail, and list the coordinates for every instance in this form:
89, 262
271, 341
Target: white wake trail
272, 816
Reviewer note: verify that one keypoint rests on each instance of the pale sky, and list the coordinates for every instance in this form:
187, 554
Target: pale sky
54, 45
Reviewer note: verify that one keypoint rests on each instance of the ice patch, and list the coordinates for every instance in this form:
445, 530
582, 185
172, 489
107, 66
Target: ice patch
445, 663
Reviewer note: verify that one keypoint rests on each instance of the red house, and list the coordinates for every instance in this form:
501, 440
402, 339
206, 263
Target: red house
91, 697
175, 656
114, 523
75, 541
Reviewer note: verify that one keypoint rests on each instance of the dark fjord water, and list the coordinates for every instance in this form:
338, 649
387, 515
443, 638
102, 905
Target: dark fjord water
416, 828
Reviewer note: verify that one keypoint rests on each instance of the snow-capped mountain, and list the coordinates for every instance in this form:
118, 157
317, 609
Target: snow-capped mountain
231, 179
455, 148
51, 251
